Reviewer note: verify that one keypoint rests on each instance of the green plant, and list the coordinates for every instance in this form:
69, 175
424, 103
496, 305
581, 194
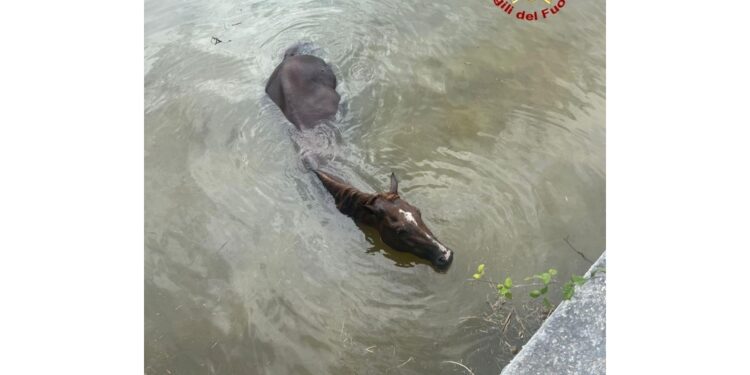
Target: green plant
480, 272
546, 279
542, 286
504, 288
569, 287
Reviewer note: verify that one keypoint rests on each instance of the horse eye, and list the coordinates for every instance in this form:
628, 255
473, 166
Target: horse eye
401, 231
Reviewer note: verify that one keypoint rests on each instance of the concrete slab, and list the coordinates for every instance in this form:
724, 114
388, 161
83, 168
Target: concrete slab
573, 339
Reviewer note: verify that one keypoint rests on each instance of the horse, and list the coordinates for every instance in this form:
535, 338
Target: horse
303, 86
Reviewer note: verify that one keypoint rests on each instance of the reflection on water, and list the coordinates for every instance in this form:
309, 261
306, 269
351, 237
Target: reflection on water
494, 127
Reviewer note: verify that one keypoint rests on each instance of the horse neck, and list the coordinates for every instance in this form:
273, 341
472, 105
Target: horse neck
349, 200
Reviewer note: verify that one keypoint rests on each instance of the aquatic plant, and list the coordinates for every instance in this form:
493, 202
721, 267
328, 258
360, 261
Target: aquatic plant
544, 280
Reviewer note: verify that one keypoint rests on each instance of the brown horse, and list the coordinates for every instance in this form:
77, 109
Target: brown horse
304, 88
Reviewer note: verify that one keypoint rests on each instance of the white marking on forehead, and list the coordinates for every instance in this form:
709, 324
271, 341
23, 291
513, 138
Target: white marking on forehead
408, 216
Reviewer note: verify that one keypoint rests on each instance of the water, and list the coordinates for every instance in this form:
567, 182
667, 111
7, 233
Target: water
494, 127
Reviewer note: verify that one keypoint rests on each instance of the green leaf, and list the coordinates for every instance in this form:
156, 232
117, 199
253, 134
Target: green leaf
567, 290
480, 272
552, 271
503, 291
578, 280
543, 290
508, 282
546, 278
535, 293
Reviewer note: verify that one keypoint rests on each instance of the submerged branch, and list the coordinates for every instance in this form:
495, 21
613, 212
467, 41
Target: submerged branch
576, 250
460, 364
407, 361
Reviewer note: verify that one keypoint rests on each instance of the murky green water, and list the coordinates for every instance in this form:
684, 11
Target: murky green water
494, 126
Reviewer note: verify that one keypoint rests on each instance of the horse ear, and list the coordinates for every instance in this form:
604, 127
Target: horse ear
394, 183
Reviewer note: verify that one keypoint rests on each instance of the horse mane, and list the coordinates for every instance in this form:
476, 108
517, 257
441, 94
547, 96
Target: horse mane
389, 196
350, 200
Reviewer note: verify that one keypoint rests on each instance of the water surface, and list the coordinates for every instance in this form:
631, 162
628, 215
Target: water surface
494, 127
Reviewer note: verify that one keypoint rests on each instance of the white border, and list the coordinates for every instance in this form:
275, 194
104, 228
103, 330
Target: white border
72, 187
677, 186
72, 190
